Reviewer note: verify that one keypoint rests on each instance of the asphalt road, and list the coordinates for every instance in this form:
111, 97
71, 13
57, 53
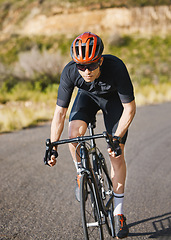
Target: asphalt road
38, 202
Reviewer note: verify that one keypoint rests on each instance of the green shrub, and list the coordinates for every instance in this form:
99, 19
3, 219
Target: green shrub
148, 60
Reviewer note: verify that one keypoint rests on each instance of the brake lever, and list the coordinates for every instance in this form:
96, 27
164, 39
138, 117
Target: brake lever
112, 144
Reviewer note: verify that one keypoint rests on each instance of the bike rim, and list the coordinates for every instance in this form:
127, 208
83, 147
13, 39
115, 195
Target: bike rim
106, 196
89, 210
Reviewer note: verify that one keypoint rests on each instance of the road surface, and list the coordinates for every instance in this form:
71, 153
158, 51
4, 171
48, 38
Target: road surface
38, 202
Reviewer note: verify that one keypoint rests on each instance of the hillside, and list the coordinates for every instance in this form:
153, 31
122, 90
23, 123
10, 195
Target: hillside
68, 17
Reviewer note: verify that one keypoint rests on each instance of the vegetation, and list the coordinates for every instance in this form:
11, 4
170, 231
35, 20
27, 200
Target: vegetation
11, 47
26, 107
40, 60
103, 3
30, 68
37, 61
148, 60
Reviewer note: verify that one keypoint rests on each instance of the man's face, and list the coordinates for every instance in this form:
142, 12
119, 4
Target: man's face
90, 76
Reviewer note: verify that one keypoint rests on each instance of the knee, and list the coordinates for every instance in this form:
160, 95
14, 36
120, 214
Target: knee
77, 128
73, 134
118, 161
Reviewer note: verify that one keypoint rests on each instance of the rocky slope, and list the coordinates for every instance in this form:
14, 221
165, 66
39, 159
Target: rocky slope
145, 21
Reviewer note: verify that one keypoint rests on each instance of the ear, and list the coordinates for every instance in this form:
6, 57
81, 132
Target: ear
101, 60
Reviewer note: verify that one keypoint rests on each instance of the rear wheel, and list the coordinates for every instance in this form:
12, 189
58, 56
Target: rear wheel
90, 212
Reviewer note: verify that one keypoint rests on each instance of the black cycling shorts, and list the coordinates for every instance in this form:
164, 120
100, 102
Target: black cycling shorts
87, 105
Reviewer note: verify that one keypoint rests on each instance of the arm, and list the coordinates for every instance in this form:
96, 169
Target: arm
57, 128
126, 118
126, 94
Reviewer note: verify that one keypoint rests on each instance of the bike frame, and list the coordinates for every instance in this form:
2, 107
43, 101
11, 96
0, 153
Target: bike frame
82, 140
91, 171
95, 159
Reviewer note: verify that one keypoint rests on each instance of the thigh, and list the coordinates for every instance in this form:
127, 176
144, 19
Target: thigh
84, 108
112, 114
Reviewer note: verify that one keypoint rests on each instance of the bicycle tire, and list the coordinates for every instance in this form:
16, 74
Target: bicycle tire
106, 190
90, 212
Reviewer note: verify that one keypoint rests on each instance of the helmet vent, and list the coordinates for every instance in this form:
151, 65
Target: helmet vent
83, 51
77, 51
90, 50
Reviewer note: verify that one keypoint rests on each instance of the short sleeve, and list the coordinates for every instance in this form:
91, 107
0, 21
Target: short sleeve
65, 89
124, 84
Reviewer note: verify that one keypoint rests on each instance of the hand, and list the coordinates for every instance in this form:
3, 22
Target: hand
52, 161
116, 152
54, 156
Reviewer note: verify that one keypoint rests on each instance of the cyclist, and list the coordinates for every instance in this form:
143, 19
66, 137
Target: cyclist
103, 84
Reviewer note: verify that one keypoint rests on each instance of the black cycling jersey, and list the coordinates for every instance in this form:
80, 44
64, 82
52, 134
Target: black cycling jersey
114, 79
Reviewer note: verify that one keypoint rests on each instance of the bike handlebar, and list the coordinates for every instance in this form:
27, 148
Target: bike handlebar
109, 140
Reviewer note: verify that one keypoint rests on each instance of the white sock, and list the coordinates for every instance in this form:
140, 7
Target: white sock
78, 166
118, 203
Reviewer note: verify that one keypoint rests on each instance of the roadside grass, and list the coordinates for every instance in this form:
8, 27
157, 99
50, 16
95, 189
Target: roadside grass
28, 108
35, 107
18, 115
153, 94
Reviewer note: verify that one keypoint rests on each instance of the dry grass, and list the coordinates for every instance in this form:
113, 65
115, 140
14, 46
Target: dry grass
152, 94
16, 115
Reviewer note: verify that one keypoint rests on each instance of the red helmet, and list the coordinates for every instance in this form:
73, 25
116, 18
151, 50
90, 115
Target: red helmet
87, 48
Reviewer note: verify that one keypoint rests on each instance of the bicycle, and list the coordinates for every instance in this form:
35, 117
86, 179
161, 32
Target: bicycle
96, 192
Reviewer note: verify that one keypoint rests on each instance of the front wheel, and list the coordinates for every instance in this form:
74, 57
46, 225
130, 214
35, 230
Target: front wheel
106, 190
90, 212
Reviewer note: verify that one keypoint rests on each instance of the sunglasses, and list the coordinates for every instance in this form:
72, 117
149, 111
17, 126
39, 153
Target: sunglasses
90, 67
